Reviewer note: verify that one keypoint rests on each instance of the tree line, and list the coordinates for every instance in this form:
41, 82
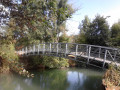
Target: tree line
98, 32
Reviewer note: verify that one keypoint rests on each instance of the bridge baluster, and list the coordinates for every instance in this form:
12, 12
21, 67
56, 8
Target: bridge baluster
99, 52
89, 51
105, 58
76, 51
66, 47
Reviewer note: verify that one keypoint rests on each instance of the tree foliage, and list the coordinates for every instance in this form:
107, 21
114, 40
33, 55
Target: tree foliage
37, 19
40, 61
64, 38
99, 31
25, 22
115, 35
84, 28
55, 62
96, 32
85, 25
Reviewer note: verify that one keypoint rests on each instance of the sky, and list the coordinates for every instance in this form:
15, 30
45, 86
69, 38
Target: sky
91, 8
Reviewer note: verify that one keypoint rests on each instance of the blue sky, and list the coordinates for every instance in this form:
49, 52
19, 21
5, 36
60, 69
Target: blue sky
91, 8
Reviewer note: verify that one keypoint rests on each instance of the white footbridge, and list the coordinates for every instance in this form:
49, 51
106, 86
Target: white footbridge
91, 54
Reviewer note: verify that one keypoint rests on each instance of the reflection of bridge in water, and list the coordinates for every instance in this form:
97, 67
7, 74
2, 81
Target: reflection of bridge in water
90, 54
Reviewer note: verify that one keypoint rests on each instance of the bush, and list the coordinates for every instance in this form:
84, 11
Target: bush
7, 54
40, 61
55, 62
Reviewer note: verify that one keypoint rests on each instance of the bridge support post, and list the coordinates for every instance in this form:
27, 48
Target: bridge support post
99, 52
76, 51
105, 58
66, 47
89, 50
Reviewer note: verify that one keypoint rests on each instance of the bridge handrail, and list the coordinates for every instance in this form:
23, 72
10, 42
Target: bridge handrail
85, 45
85, 50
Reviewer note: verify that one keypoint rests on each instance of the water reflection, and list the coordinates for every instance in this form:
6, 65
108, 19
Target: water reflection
76, 80
82, 81
65, 79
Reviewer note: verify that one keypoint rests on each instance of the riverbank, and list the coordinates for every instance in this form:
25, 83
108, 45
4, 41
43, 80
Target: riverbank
111, 79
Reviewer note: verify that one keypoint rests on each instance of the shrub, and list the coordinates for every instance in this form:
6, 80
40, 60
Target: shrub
55, 62
7, 54
40, 61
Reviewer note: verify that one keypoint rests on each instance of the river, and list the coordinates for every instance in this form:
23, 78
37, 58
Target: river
55, 79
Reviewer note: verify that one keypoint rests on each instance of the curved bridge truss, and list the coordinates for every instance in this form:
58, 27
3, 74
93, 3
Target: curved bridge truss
91, 53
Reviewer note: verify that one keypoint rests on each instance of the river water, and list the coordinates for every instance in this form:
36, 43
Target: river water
55, 79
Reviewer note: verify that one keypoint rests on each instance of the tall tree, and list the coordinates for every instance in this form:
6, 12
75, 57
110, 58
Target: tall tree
84, 28
115, 35
37, 19
98, 33
64, 12
84, 25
